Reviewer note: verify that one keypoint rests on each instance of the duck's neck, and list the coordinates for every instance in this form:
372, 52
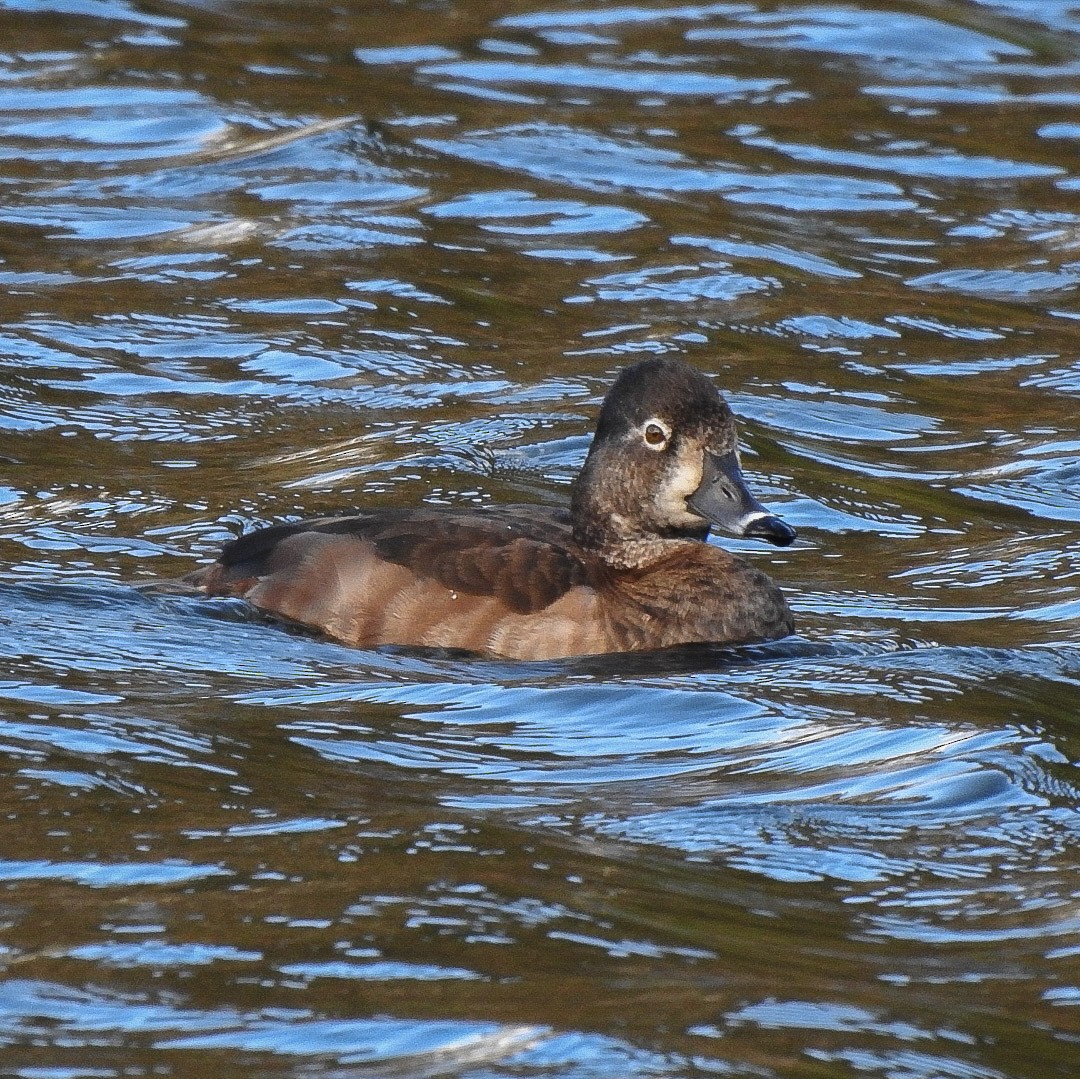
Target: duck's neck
607, 513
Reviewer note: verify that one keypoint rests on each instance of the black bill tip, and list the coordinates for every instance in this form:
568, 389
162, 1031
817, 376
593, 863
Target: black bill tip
768, 527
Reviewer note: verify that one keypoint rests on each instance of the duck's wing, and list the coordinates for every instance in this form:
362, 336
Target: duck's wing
387, 576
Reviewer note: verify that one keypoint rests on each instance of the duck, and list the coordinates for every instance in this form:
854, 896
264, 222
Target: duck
625, 567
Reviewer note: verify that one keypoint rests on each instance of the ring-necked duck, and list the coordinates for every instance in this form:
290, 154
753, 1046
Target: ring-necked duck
625, 568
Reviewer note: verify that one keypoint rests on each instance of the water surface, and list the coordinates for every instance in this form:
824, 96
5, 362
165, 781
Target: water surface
263, 260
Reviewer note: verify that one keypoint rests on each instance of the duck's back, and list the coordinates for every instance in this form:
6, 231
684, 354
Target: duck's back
508, 581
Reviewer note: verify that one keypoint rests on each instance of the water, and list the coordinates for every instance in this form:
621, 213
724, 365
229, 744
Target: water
264, 260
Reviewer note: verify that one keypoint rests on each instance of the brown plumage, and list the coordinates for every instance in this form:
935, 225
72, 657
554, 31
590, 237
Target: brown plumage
625, 569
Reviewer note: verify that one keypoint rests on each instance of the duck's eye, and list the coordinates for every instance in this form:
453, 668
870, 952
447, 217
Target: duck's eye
655, 435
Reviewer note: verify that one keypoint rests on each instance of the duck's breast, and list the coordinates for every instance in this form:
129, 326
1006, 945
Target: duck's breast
700, 594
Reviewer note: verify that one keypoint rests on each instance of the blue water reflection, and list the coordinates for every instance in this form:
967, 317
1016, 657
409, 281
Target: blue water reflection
264, 261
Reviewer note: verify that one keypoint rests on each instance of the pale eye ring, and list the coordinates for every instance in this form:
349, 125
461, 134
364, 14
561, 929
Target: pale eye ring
655, 435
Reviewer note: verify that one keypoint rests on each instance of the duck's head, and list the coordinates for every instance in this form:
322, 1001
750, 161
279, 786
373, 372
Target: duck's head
664, 463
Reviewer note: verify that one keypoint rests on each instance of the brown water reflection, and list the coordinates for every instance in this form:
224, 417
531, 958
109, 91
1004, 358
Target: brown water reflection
267, 259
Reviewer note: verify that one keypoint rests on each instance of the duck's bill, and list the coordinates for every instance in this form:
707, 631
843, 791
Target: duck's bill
724, 501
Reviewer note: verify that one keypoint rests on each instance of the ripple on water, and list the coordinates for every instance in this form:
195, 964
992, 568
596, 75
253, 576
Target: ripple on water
778, 254
1048, 489
98, 875
124, 379
696, 283
922, 161
1058, 379
159, 176
596, 162
654, 81
1017, 284
247, 848
29, 1006
523, 213
807, 792
91, 125
826, 415
872, 37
